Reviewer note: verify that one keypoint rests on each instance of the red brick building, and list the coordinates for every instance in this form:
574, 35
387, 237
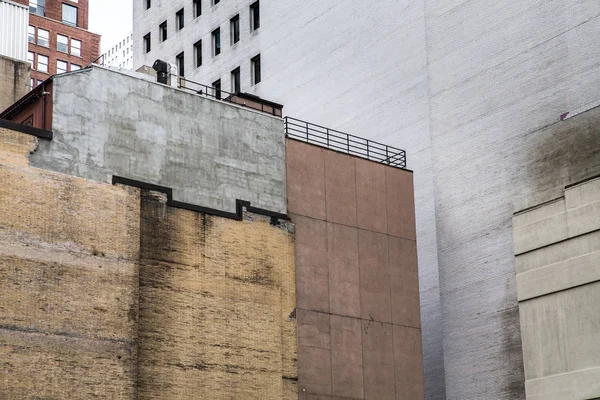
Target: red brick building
58, 37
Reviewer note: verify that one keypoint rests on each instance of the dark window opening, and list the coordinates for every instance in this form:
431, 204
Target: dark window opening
180, 64
198, 53
179, 19
162, 32
235, 29
256, 70
255, 16
148, 4
217, 89
216, 38
235, 81
197, 8
147, 43
215, 2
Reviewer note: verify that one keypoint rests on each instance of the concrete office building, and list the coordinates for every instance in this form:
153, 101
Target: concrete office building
474, 91
58, 36
120, 55
159, 243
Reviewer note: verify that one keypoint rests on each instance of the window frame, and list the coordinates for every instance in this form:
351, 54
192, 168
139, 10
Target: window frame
197, 8
180, 62
217, 88
78, 54
37, 6
58, 42
215, 2
147, 42
148, 4
256, 72
216, 41
236, 81
29, 38
75, 67
255, 16
180, 19
66, 69
32, 61
47, 38
163, 32
234, 28
46, 64
198, 54
69, 6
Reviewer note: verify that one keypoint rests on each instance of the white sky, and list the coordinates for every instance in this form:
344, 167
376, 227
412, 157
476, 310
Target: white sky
113, 19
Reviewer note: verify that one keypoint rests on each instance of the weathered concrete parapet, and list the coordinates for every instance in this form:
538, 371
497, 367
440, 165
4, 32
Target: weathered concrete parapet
211, 153
557, 248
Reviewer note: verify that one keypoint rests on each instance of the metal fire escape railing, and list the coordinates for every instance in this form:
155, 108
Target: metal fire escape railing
345, 143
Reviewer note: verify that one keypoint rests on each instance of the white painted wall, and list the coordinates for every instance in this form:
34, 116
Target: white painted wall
14, 20
120, 54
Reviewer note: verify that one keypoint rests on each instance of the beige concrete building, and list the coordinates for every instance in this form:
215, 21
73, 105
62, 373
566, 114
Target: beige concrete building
557, 248
15, 76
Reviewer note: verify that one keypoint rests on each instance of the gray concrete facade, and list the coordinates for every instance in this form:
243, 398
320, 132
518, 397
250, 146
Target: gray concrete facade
557, 248
473, 90
210, 153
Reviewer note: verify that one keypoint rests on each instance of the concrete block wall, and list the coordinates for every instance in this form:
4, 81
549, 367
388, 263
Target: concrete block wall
359, 333
557, 247
209, 152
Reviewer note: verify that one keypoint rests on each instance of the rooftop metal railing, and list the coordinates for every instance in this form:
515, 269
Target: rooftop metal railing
345, 143
240, 99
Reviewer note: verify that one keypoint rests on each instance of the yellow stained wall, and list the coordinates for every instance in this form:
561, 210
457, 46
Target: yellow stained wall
80, 260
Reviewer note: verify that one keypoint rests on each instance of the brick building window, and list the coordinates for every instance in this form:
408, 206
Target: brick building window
147, 43
180, 59
37, 7
256, 70
254, 16
31, 59
216, 41
179, 20
235, 29
198, 53
75, 67
42, 63
43, 37
69, 15
31, 34
61, 66
162, 32
236, 81
76, 47
197, 8
62, 43
217, 89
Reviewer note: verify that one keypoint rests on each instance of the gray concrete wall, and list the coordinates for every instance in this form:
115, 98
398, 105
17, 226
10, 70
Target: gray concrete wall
211, 153
557, 247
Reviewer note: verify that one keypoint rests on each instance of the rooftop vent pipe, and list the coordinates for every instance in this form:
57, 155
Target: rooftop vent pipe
162, 69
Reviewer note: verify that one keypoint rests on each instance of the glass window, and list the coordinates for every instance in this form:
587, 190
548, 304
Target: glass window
75, 67
31, 83
216, 39
76, 47
31, 34
147, 43
148, 3
42, 63
256, 72
235, 80
43, 37
255, 16
39, 82
179, 19
61, 66
162, 32
216, 2
198, 53
69, 14
197, 8
37, 7
31, 59
217, 89
235, 29
180, 64
62, 43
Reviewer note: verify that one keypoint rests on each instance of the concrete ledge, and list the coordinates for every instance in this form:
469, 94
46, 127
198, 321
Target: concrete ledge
577, 385
560, 276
